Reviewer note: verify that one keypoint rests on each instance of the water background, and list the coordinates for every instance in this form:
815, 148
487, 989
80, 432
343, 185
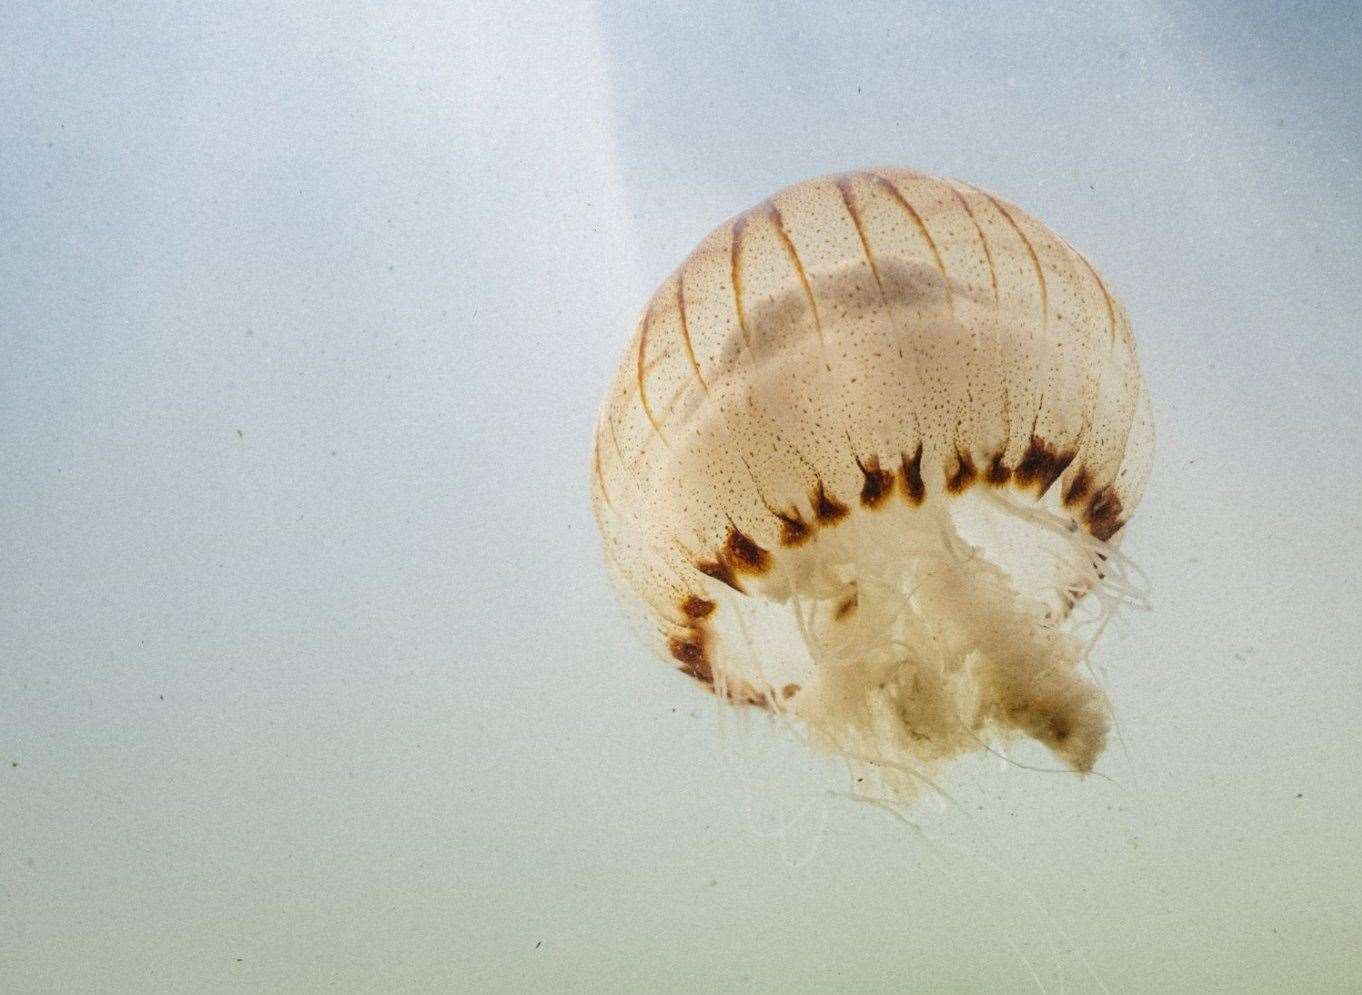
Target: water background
310, 678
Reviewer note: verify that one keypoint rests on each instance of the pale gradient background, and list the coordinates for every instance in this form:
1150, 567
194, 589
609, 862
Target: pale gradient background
309, 674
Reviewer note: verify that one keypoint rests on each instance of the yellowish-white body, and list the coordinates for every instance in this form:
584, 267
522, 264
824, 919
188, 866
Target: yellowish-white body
868, 447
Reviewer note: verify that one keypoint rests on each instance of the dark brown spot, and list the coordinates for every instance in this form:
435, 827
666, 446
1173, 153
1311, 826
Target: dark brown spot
701, 671
696, 607
1042, 465
1103, 515
878, 482
789, 691
826, 508
745, 555
910, 478
689, 648
793, 529
848, 605
689, 651
964, 474
720, 571
745, 694
998, 472
1078, 487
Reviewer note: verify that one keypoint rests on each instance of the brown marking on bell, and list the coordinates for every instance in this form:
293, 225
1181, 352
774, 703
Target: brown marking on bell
685, 330
748, 695
1031, 251
700, 670
1103, 515
1041, 466
720, 571
848, 605
698, 667
794, 531
742, 693
1106, 294
778, 223
983, 240
891, 188
878, 482
1078, 487
789, 691
843, 182
735, 274
600, 477
963, 475
744, 555
688, 649
910, 478
696, 607
827, 510
854, 212
998, 472
641, 378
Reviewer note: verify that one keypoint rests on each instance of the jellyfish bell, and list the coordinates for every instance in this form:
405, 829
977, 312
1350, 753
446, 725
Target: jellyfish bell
869, 447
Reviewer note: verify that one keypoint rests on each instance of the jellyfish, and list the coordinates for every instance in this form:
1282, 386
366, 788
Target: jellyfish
868, 450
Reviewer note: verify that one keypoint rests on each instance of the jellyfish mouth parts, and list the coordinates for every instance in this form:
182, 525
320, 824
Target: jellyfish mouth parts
905, 637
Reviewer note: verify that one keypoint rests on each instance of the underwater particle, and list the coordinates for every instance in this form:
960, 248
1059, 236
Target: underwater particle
869, 447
